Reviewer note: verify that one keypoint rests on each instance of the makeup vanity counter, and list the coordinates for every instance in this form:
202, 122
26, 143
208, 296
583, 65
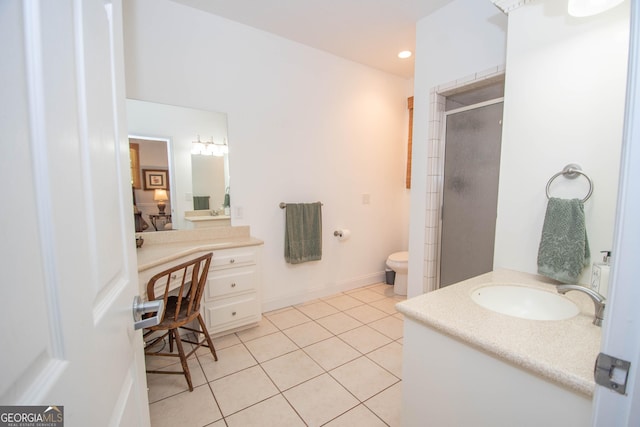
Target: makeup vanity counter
467, 365
232, 295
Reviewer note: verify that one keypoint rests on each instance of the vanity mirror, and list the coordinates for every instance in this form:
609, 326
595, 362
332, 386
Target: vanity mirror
157, 130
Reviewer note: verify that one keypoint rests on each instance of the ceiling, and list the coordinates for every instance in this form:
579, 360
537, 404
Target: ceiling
370, 32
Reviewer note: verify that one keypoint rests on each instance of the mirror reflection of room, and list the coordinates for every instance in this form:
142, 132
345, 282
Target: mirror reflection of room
195, 159
150, 184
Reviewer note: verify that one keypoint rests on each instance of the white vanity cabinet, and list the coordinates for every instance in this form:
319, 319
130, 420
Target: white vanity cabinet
232, 294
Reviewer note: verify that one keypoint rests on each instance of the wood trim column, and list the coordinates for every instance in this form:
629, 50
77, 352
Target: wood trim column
410, 143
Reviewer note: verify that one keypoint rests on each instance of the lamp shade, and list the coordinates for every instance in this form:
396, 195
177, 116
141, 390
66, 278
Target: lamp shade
160, 195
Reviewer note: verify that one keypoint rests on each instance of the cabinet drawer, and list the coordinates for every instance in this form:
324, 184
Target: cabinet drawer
231, 313
231, 281
233, 257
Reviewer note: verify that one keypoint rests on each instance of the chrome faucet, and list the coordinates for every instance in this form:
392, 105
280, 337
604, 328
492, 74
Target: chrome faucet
598, 300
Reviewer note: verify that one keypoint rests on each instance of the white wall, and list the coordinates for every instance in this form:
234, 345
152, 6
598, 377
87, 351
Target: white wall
303, 126
460, 39
564, 103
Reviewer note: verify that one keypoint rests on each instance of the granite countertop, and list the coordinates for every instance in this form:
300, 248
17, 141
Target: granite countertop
561, 351
163, 247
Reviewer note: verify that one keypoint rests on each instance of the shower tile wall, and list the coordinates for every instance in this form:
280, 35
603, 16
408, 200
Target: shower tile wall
435, 167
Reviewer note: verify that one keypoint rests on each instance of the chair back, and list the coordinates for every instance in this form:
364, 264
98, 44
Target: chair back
183, 286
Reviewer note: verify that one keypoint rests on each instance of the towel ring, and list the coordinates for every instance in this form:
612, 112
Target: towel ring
571, 171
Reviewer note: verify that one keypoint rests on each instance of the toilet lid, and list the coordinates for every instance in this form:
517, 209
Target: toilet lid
399, 256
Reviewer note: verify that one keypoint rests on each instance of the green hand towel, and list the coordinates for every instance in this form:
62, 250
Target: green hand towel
200, 203
564, 247
303, 232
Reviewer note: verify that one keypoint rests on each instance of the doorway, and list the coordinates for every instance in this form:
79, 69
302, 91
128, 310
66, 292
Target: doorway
473, 134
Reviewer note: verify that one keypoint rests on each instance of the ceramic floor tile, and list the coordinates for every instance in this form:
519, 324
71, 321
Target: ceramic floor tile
365, 313
265, 327
223, 342
360, 416
363, 378
365, 339
196, 408
158, 362
339, 323
388, 305
242, 389
343, 302
230, 360
317, 309
291, 369
389, 357
289, 350
288, 318
381, 288
273, 412
331, 353
307, 334
389, 326
270, 346
320, 400
164, 385
366, 295
388, 405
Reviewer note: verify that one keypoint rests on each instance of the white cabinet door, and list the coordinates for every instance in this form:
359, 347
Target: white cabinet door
68, 251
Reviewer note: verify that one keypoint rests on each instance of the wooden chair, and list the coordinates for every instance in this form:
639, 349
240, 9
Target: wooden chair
181, 287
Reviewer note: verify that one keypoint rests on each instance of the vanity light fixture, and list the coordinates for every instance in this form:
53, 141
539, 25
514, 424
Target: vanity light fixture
160, 196
405, 54
581, 8
209, 148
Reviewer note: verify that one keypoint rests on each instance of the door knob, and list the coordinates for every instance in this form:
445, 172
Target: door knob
140, 308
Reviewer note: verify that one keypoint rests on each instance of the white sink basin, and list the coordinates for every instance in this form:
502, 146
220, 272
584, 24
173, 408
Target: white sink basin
524, 302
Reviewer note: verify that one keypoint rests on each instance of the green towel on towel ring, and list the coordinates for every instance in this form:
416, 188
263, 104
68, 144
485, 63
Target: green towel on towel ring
564, 247
303, 232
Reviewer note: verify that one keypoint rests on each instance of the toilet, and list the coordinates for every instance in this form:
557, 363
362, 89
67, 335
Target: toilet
398, 262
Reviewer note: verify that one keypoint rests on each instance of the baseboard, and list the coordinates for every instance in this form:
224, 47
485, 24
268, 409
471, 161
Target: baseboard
325, 291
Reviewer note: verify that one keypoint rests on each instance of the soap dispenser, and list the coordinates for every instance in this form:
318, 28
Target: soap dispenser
600, 275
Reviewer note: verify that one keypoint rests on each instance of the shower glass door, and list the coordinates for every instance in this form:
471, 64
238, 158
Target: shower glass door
470, 193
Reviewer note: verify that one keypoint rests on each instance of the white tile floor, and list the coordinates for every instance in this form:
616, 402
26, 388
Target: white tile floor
336, 361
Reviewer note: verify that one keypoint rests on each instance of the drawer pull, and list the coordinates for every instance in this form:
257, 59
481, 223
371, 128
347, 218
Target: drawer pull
233, 285
231, 261
233, 314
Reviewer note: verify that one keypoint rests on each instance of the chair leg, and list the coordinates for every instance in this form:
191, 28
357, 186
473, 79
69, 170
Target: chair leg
171, 342
207, 337
183, 358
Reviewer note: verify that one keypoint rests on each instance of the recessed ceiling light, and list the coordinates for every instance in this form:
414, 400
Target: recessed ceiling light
404, 54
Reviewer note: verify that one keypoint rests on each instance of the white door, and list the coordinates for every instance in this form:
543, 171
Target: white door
621, 329
68, 251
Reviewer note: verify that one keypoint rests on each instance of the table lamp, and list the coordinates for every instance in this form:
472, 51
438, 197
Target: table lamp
160, 196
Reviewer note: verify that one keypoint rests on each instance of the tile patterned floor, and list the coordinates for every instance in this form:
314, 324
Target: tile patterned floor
336, 361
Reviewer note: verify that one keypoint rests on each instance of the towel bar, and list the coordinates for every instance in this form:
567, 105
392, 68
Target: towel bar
284, 205
571, 171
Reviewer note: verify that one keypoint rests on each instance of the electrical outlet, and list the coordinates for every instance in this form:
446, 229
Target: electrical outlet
366, 198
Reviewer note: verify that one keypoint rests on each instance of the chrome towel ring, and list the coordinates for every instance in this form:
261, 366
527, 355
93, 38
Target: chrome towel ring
571, 171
